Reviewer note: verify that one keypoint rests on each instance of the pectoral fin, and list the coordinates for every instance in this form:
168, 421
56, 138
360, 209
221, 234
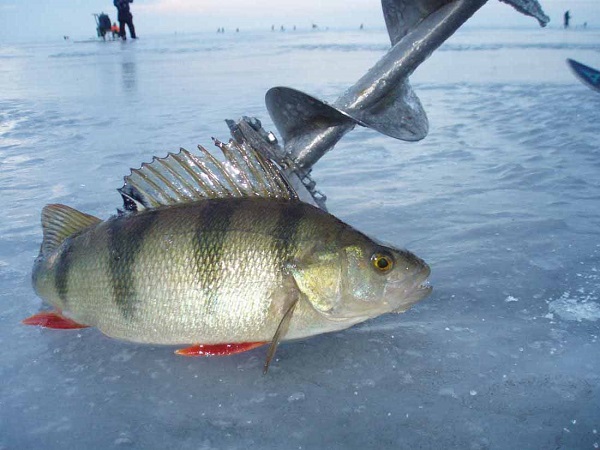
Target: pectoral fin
218, 349
282, 328
53, 319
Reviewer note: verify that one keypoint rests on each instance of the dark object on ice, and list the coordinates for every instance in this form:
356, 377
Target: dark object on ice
588, 76
102, 24
125, 18
567, 18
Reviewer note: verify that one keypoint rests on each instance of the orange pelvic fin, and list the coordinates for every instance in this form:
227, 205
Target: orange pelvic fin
53, 319
218, 349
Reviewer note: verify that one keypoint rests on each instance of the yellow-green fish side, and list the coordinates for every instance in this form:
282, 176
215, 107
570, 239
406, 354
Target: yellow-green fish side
212, 271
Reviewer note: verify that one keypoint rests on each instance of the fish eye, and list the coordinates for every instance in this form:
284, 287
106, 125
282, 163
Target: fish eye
382, 262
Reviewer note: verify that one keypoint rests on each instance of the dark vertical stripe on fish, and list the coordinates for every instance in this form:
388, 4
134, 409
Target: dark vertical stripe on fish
288, 228
210, 240
63, 266
126, 237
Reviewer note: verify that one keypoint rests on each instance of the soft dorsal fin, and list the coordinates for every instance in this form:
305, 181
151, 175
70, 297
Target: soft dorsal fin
184, 177
59, 222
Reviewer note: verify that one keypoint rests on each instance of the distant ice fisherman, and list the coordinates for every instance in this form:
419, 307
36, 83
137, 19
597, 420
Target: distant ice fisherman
125, 18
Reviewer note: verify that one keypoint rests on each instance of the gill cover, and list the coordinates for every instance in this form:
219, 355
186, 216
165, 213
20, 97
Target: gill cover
346, 283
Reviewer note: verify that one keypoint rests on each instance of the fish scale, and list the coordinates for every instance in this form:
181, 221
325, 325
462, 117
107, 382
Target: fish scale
198, 295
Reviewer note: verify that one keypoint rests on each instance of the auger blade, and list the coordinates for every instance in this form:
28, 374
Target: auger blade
383, 98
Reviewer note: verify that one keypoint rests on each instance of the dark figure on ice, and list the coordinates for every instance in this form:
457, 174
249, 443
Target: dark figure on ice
103, 25
567, 18
125, 18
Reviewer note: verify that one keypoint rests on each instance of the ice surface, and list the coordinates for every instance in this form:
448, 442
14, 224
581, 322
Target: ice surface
502, 199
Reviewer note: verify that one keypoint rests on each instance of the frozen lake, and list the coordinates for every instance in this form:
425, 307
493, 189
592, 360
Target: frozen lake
502, 199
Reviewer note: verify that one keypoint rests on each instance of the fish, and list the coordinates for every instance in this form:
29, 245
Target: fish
218, 256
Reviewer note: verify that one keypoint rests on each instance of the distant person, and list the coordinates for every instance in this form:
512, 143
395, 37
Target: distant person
567, 19
114, 30
125, 18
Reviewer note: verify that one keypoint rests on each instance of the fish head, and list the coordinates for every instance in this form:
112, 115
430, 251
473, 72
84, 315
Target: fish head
363, 279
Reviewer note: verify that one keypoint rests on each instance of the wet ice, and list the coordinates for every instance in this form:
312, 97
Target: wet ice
501, 199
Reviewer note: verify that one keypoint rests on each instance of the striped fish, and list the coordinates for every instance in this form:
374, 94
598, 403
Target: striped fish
218, 256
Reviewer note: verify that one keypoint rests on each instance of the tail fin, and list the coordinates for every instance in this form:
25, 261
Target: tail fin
59, 222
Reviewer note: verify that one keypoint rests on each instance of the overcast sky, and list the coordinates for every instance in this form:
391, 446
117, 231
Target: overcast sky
51, 19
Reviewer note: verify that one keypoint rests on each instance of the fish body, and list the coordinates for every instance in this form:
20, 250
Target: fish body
223, 269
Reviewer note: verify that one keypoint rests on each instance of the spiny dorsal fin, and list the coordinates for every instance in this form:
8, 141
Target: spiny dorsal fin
184, 177
59, 222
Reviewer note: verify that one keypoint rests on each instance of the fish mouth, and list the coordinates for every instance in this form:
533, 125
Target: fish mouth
422, 280
411, 288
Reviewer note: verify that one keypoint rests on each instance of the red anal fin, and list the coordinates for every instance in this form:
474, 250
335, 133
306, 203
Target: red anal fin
53, 319
218, 349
